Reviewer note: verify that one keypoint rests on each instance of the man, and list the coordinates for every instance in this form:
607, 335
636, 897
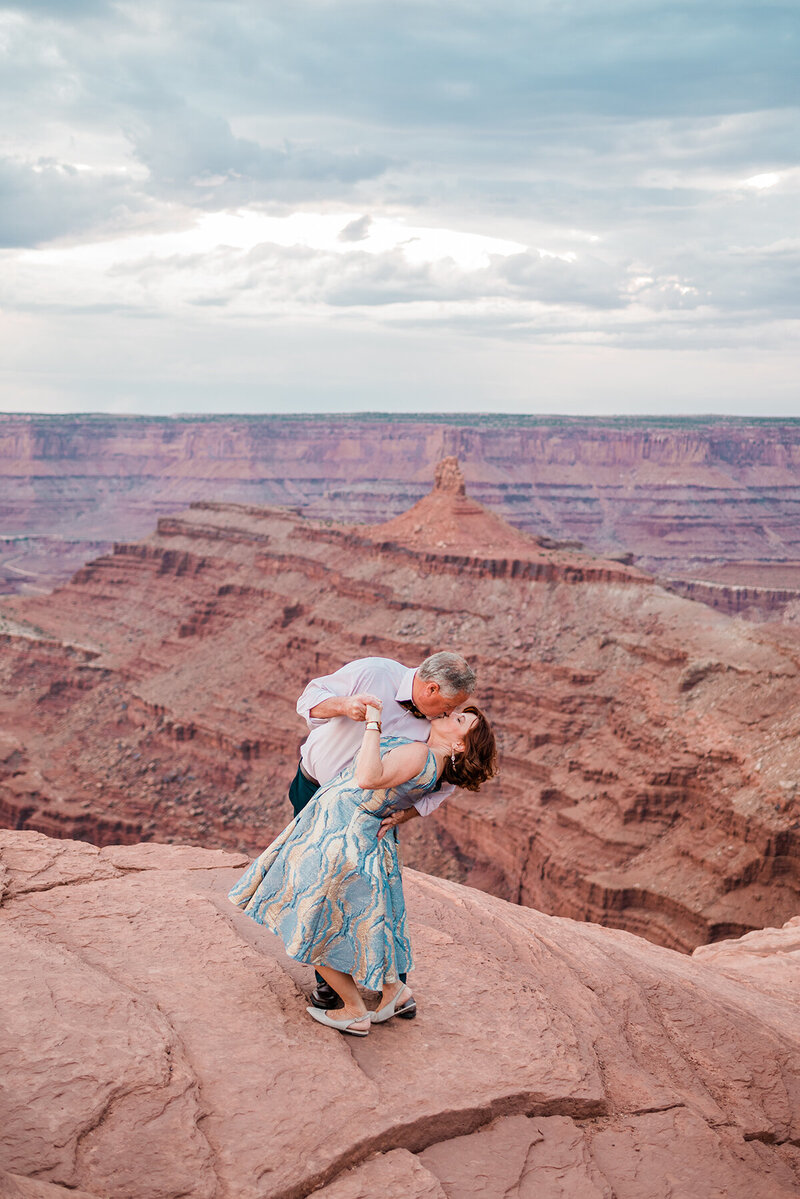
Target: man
334, 708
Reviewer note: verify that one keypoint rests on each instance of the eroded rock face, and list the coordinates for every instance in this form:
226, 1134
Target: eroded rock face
689, 497
649, 745
155, 1044
449, 477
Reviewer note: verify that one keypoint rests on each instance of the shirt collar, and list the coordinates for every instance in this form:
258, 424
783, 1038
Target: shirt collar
406, 684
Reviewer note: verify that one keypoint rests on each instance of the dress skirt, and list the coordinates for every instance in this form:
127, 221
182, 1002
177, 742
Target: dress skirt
330, 889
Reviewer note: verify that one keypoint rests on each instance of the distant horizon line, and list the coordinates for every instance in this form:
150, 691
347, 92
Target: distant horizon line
471, 418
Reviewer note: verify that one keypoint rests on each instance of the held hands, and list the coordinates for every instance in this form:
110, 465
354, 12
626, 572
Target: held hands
357, 707
390, 822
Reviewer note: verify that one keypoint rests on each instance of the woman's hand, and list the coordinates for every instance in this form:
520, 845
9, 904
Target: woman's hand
390, 822
374, 709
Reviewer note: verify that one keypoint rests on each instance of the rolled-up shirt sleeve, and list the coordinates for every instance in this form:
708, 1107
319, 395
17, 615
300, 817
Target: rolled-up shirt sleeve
314, 694
344, 681
430, 801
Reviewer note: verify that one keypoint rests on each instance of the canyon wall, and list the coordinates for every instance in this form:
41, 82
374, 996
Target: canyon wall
649, 744
683, 495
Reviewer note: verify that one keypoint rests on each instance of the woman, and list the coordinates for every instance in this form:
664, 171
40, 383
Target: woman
330, 884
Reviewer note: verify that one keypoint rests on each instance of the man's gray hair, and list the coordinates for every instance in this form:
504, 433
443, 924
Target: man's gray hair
450, 671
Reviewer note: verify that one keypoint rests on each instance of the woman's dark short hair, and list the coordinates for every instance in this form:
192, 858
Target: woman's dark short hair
478, 762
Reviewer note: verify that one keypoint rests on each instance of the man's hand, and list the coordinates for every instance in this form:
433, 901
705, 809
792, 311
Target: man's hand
354, 707
390, 822
357, 705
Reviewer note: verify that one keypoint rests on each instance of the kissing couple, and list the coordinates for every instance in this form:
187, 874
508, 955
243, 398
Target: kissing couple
386, 743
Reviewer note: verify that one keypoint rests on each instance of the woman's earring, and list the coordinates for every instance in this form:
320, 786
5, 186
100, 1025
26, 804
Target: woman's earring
453, 755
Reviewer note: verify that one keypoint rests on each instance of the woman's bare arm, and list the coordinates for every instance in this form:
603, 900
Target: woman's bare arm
398, 766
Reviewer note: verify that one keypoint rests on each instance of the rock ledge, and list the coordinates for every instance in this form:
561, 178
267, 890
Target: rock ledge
155, 1045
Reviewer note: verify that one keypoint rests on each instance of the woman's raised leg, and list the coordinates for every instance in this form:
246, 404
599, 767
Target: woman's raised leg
396, 1000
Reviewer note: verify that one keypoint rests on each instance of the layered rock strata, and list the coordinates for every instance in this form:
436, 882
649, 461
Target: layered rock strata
155, 1044
683, 495
756, 590
649, 745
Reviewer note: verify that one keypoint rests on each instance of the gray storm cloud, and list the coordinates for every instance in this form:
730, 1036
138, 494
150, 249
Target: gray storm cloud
643, 153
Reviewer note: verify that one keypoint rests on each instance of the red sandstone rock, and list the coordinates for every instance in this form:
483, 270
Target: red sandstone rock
447, 519
14, 1186
768, 957
748, 593
683, 495
397, 1172
155, 1045
649, 746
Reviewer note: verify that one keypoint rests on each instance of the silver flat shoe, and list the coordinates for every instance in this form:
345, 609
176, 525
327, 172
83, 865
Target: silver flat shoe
406, 1011
322, 1017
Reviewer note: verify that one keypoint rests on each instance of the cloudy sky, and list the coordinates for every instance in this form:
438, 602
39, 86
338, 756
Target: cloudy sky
556, 206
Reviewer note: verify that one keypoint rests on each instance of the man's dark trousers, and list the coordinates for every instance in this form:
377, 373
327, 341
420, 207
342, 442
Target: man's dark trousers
301, 791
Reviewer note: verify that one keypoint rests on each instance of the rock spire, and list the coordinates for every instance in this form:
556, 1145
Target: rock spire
449, 477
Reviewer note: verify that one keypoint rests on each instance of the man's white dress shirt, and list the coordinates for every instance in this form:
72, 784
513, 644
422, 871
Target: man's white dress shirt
332, 744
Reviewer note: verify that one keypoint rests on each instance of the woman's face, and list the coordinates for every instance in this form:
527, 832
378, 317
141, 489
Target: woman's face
455, 728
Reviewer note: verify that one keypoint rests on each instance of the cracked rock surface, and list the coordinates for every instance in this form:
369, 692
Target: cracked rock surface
155, 1044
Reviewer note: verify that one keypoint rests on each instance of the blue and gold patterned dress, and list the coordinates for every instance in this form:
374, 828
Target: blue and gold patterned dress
329, 888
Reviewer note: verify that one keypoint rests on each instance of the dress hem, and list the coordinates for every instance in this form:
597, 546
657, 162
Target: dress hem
306, 961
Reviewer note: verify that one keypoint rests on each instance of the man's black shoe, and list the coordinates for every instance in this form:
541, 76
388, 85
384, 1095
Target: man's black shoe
324, 997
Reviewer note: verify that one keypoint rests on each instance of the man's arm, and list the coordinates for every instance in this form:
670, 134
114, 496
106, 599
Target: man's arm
426, 804
430, 801
334, 695
390, 822
352, 706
